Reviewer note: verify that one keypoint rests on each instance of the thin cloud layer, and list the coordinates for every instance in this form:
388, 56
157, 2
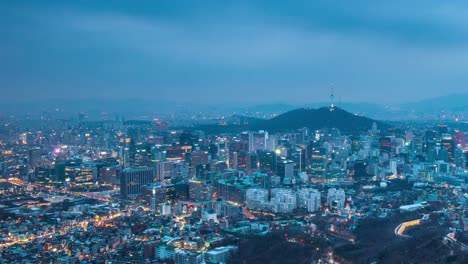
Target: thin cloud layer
240, 51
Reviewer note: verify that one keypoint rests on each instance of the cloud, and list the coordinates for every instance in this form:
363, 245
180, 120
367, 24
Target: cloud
268, 51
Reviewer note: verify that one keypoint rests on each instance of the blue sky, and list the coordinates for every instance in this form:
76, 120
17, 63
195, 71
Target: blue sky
233, 51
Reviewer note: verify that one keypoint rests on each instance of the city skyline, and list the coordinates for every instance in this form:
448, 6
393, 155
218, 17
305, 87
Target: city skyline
195, 132
255, 52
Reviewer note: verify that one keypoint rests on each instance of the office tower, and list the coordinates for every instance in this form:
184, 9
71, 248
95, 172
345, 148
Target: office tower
442, 129
465, 154
417, 145
132, 180
142, 156
447, 143
234, 160
258, 140
130, 142
359, 169
459, 157
271, 143
286, 169
443, 154
393, 166
230, 191
203, 171
385, 144
153, 201
86, 173
200, 190
34, 156
180, 170
188, 138
163, 170
60, 166
43, 174
243, 160
75, 171
197, 157
238, 145
158, 153
253, 162
222, 148
318, 163
182, 191
110, 174
266, 160
161, 193
459, 137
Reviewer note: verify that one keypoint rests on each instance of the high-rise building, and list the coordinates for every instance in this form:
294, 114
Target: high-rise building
133, 179
188, 138
258, 140
86, 173
197, 157
180, 170
318, 163
231, 192
75, 171
360, 171
163, 170
466, 158
61, 171
110, 174
141, 157
417, 145
200, 190
459, 138
286, 169
234, 160
447, 143
34, 156
43, 174
385, 144
459, 157
161, 193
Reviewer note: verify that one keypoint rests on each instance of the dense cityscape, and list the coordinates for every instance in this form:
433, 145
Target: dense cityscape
140, 191
233, 132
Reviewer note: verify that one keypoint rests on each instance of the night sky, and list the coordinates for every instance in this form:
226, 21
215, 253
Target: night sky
233, 51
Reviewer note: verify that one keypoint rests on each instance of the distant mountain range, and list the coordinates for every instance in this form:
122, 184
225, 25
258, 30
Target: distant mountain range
425, 109
323, 117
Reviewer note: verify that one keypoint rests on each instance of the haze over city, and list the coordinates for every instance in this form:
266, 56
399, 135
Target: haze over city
233, 132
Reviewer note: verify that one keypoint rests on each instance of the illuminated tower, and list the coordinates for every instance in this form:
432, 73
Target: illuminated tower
332, 99
153, 202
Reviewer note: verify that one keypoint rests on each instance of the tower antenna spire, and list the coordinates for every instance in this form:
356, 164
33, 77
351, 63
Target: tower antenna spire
332, 100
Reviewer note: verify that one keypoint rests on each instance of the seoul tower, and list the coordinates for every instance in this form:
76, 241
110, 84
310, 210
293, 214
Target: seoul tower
332, 98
